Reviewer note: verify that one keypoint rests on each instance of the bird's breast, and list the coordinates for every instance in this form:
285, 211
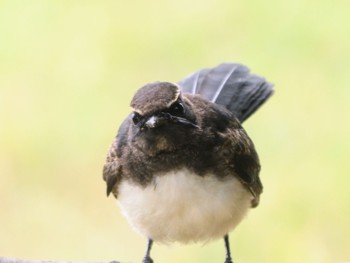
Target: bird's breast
182, 206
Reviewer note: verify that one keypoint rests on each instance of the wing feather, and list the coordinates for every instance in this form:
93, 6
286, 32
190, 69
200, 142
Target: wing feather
113, 170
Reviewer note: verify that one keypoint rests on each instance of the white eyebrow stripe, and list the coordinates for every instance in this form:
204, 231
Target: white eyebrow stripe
176, 97
137, 111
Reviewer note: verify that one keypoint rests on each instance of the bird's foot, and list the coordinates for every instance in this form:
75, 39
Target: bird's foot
228, 260
147, 260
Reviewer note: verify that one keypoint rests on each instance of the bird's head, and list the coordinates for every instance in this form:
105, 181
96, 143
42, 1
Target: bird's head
161, 118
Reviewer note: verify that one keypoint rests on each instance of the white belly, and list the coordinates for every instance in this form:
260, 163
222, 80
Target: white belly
181, 206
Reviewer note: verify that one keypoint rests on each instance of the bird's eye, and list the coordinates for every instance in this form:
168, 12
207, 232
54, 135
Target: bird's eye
176, 108
136, 117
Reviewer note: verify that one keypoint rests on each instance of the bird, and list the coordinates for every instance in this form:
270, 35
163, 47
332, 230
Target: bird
182, 167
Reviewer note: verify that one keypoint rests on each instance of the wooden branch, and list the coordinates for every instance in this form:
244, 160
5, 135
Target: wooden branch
14, 260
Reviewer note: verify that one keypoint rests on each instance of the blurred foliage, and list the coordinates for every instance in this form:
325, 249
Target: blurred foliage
68, 70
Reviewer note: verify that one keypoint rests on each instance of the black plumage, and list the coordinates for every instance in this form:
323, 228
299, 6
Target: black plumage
195, 124
230, 85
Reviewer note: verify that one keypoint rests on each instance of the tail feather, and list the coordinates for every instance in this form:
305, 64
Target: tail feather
230, 85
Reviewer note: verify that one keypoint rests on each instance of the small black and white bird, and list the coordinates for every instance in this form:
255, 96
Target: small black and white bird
181, 166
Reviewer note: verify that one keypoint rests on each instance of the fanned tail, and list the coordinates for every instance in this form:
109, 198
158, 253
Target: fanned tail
230, 85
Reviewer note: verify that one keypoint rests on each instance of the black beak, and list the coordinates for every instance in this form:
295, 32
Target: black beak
159, 120
154, 122
185, 122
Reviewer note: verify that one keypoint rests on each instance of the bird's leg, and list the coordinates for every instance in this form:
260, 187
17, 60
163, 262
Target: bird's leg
147, 258
228, 252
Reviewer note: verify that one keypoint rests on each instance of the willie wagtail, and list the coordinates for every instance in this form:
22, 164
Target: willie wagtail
181, 166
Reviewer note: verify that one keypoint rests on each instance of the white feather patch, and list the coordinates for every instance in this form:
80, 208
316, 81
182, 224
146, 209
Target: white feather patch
184, 207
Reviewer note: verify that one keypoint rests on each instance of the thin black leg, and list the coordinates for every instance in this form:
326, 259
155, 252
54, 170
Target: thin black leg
147, 258
228, 251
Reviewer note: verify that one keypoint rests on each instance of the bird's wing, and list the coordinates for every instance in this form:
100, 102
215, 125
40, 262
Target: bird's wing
230, 85
244, 160
112, 170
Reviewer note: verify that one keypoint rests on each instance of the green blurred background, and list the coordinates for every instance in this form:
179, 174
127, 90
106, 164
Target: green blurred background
68, 70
